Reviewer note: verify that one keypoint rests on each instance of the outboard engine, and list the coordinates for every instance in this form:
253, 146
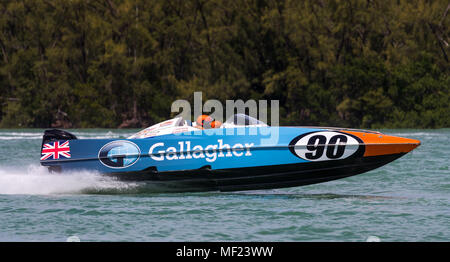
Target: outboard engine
57, 134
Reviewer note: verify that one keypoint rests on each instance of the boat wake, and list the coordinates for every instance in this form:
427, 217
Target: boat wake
36, 180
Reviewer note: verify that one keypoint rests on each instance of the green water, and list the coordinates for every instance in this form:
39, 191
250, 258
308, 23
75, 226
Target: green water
406, 200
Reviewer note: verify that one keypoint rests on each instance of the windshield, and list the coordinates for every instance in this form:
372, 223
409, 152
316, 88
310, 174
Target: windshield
244, 120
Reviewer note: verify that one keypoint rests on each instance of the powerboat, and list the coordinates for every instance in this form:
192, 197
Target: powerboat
242, 154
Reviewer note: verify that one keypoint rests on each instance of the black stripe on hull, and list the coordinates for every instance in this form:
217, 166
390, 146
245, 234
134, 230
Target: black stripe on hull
251, 178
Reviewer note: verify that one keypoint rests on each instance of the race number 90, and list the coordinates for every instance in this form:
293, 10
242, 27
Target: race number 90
324, 145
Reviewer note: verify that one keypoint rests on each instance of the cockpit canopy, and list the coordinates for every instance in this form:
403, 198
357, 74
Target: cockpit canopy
179, 125
243, 120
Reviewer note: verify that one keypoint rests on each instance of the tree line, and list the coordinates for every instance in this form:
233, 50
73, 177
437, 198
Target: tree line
121, 63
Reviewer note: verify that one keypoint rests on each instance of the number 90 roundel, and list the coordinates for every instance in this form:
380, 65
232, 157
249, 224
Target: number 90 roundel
326, 145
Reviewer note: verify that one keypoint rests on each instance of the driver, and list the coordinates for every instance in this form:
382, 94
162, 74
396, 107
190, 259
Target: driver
206, 122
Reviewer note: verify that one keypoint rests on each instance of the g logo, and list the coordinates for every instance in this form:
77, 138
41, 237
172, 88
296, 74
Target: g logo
119, 154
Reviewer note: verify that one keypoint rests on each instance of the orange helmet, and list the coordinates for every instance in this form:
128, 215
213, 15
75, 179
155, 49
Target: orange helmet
204, 121
216, 124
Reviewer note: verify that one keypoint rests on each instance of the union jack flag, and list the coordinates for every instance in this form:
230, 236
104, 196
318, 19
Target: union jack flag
55, 149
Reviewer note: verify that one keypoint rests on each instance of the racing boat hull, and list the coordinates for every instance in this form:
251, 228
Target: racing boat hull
245, 158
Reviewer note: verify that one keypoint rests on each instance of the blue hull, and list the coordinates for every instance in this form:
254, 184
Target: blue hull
243, 158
